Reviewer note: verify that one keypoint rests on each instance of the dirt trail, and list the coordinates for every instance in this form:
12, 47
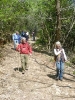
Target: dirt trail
38, 82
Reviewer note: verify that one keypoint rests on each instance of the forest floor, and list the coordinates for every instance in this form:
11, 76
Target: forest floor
39, 81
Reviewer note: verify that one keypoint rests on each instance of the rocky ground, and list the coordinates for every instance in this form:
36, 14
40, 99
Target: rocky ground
38, 82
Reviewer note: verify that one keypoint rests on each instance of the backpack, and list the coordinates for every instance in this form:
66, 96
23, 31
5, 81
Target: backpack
55, 57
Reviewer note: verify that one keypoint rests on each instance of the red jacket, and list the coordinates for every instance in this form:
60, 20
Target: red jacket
24, 48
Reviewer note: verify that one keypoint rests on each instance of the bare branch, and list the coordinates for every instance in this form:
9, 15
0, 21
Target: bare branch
71, 27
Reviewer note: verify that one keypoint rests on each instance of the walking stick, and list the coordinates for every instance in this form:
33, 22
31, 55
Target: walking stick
19, 59
18, 55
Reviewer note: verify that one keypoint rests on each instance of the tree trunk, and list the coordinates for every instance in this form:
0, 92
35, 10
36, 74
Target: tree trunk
58, 20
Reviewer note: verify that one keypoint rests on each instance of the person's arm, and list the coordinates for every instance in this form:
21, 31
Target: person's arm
30, 49
18, 48
57, 52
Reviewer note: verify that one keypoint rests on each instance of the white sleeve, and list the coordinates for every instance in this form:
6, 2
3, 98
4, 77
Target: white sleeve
56, 52
64, 55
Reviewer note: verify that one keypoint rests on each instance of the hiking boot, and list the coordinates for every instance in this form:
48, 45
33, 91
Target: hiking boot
57, 78
23, 72
61, 79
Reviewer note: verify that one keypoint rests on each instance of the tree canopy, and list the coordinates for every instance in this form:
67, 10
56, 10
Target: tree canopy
51, 19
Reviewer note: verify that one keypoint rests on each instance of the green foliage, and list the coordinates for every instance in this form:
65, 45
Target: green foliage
74, 72
73, 60
12, 13
38, 15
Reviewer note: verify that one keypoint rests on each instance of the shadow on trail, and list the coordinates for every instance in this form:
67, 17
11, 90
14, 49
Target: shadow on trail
52, 76
42, 64
42, 51
18, 69
66, 79
70, 74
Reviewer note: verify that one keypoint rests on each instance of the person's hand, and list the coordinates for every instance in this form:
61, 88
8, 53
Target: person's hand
66, 60
61, 50
30, 54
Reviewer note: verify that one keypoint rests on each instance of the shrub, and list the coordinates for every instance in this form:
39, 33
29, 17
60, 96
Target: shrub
73, 60
74, 72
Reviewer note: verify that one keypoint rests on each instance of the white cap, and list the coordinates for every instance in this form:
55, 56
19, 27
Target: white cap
23, 38
27, 33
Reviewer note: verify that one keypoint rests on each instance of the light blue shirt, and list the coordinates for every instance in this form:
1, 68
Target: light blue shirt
15, 36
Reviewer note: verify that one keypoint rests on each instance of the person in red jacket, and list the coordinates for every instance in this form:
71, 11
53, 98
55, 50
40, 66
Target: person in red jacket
25, 49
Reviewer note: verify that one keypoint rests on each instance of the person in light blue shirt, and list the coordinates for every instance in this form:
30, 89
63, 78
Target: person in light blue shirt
16, 38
